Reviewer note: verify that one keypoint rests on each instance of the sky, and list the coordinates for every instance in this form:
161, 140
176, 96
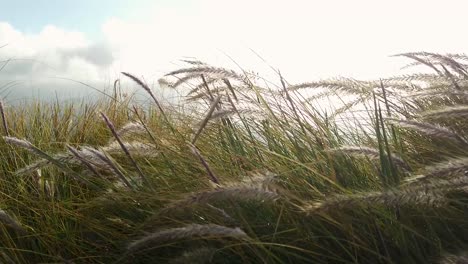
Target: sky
53, 45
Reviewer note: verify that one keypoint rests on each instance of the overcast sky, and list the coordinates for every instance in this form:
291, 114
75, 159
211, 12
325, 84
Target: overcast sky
91, 41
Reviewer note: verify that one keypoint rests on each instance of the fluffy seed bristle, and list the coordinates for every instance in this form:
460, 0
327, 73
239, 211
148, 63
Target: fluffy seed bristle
429, 129
20, 143
134, 147
223, 194
221, 72
187, 232
446, 170
131, 129
431, 197
185, 79
460, 111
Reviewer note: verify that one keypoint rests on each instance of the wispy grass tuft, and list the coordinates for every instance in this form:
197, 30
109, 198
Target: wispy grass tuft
431, 130
188, 232
460, 111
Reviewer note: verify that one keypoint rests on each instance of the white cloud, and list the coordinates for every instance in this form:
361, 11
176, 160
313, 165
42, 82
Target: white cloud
307, 40
37, 61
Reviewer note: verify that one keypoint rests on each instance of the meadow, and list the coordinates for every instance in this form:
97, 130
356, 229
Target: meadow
245, 170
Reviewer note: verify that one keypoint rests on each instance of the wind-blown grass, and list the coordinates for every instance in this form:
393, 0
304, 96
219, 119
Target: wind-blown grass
333, 171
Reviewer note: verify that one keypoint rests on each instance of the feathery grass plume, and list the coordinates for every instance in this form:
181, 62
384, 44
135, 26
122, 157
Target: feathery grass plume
221, 72
451, 78
211, 175
195, 256
136, 148
262, 181
213, 106
371, 153
144, 86
412, 197
193, 61
165, 83
444, 60
416, 56
131, 128
429, 129
443, 184
4, 122
333, 84
117, 92
401, 86
343, 85
156, 101
458, 56
460, 111
186, 233
91, 157
33, 149
200, 90
32, 168
102, 156
185, 79
291, 105
319, 95
61, 157
411, 65
10, 222
124, 148
461, 258
439, 93
20, 143
222, 212
222, 194
444, 170
420, 77
77, 155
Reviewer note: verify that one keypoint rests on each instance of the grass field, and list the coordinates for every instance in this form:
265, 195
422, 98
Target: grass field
246, 171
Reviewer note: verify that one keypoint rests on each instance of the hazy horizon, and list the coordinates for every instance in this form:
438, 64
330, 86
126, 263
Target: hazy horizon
48, 42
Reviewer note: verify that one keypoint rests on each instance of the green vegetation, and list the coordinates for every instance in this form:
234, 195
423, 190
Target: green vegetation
333, 171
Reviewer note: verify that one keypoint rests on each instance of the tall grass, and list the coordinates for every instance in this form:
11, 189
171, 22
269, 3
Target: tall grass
333, 171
